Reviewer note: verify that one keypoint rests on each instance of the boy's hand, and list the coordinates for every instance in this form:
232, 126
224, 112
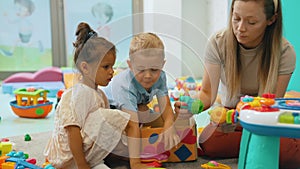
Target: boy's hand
143, 107
144, 114
170, 137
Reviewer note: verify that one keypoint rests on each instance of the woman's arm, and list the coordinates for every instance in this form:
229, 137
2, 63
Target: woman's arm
210, 84
76, 146
282, 83
209, 87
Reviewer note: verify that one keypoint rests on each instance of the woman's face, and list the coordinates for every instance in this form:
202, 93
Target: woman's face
249, 22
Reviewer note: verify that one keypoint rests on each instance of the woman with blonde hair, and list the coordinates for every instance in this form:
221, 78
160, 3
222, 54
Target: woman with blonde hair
249, 57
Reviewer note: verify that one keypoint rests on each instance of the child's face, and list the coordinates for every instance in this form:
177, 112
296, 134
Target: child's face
105, 70
146, 69
21, 11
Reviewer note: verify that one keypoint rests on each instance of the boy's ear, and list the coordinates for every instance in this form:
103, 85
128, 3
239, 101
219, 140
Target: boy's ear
163, 64
129, 65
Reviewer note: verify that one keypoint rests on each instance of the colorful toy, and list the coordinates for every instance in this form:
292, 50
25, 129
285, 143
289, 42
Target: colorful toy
49, 166
17, 159
4, 140
27, 137
186, 85
153, 150
21, 163
34, 104
149, 157
288, 103
176, 93
262, 104
214, 165
195, 106
154, 164
265, 120
5, 147
221, 115
58, 96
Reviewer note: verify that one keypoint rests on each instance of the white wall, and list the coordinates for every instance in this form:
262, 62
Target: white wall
184, 26
217, 12
164, 19
194, 36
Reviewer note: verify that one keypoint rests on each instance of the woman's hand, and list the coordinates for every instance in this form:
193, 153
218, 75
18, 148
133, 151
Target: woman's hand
226, 128
181, 113
177, 106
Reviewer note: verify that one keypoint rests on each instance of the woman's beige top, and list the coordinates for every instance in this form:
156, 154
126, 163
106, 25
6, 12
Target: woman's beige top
249, 59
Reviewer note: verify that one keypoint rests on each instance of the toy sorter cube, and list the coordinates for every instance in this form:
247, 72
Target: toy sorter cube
186, 150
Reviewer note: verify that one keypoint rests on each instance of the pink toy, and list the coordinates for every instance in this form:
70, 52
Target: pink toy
43, 75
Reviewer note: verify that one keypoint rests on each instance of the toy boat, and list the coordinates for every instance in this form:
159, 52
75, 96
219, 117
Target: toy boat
31, 103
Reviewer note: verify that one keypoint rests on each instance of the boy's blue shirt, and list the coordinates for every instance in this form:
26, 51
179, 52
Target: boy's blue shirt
125, 92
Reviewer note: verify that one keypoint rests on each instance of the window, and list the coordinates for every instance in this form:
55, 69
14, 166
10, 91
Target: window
111, 19
25, 38
38, 34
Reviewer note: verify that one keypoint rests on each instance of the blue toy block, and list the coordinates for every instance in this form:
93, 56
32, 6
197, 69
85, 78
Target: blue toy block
20, 162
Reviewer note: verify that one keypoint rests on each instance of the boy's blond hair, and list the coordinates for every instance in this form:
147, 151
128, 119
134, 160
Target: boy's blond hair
145, 41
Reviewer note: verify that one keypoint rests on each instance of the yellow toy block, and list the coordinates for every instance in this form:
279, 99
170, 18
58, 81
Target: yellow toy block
5, 147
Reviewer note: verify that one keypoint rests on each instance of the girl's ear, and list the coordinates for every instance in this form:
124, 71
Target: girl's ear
273, 19
84, 67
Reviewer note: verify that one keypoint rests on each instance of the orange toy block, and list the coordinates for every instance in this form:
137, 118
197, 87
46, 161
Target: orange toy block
2, 160
8, 165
